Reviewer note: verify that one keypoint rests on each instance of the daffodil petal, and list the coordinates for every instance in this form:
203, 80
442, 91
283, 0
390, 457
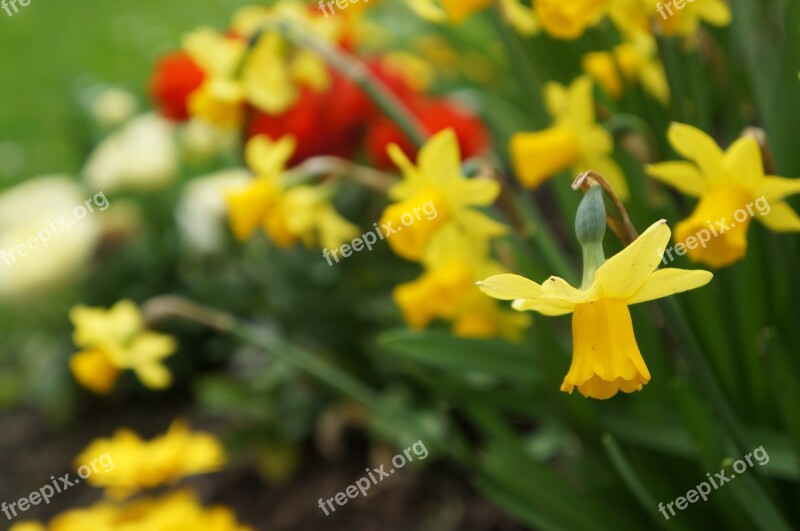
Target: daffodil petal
480, 191
624, 273
441, 156
153, 375
683, 176
666, 282
696, 146
548, 307
781, 218
716, 12
508, 287
776, 188
269, 158
557, 288
742, 162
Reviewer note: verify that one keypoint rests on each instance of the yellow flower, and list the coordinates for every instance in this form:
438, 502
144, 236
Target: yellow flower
456, 11
606, 358
686, 21
179, 511
574, 141
139, 464
286, 213
568, 19
636, 60
438, 199
729, 185
446, 290
115, 340
220, 99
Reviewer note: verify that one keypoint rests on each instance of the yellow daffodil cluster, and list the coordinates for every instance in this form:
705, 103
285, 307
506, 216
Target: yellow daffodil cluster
269, 75
115, 340
179, 511
569, 19
140, 465
727, 183
635, 60
453, 246
284, 212
573, 142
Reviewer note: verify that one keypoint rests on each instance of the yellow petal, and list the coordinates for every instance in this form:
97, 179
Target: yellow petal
94, 371
441, 157
696, 146
742, 162
781, 218
458, 10
267, 157
581, 101
153, 375
715, 12
479, 192
666, 282
624, 273
555, 288
683, 176
776, 188
538, 156
521, 17
508, 287
605, 356
428, 10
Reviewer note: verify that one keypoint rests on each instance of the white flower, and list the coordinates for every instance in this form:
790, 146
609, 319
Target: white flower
142, 155
46, 238
202, 213
112, 106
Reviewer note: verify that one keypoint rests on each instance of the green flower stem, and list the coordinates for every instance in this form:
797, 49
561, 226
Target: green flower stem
165, 307
358, 72
633, 482
701, 370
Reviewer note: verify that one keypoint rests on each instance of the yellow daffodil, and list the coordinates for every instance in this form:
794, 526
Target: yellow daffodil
139, 464
686, 20
636, 60
220, 99
115, 340
286, 213
568, 19
729, 184
437, 189
178, 511
456, 11
446, 290
606, 358
574, 141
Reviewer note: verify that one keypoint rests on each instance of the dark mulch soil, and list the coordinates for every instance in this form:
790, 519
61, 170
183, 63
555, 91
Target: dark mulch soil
433, 498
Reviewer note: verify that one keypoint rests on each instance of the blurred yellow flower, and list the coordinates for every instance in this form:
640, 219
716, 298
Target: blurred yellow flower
286, 213
568, 19
636, 60
686, 20
140, 465
114, 340
446, 290
437, 180
574, 140
456, 11
220, 99
179, 511
727, 183
606, 358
